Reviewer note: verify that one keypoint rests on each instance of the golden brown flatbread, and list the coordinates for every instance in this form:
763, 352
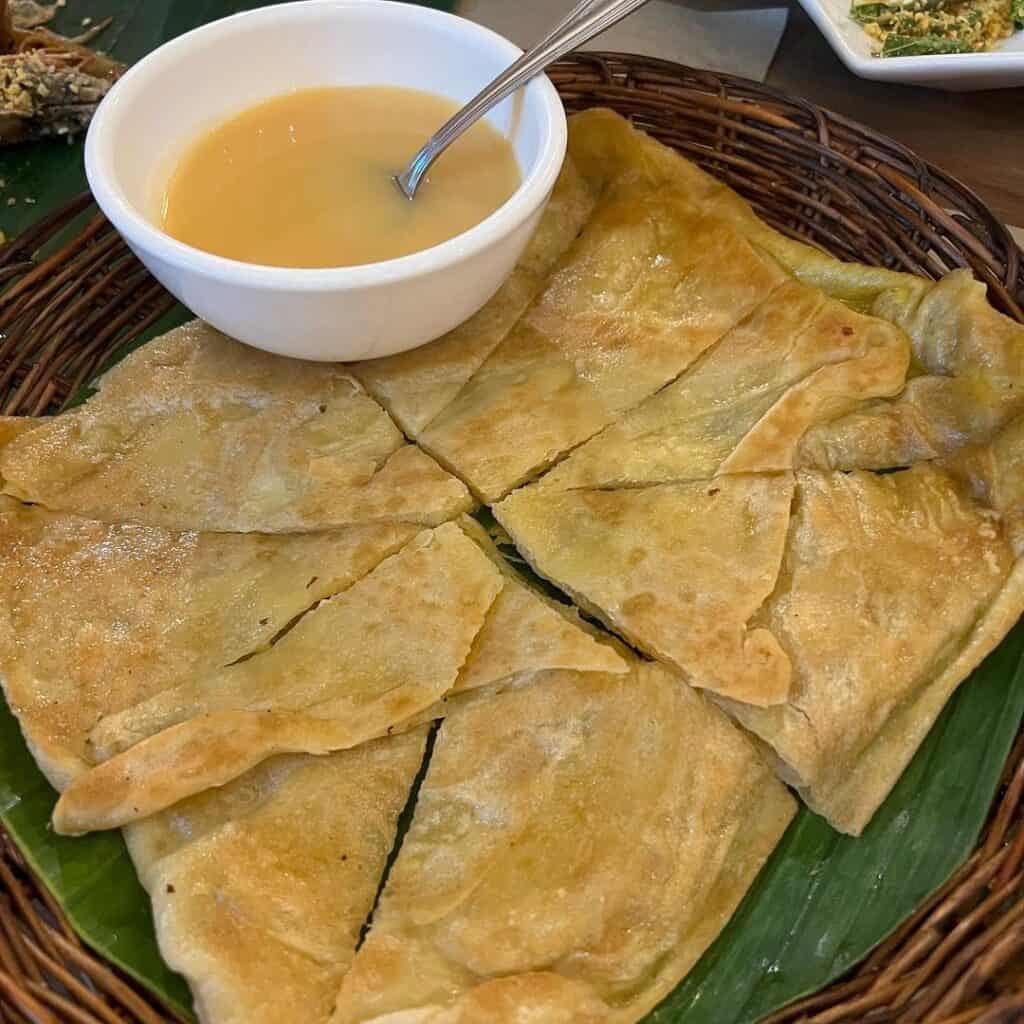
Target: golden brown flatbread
524, 635
195, 431
527, 633
892, 590
545, 997
606, 138
352, 669
260, 888
800, 358
607, 148
953, 328
647, 287
415, 386
994, 472
95, 618
970, 381
576, 845
610, 153
679, 570
14, 426
363, 664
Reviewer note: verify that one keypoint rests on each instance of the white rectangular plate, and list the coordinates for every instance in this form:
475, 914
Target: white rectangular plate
957, 72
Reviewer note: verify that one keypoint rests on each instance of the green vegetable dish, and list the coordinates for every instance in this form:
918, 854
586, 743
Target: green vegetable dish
912, 28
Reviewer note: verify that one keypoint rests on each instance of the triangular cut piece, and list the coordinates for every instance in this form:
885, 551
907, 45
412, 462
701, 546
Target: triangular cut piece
647, 287
415, 386
95, 618
260, 888
527, 632
196, 431
893, 589
353, 669
972, 385
525, 636
798, 359
677, 569
546, 812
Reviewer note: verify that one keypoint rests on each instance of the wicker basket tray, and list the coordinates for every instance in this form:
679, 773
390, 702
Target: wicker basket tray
810, 173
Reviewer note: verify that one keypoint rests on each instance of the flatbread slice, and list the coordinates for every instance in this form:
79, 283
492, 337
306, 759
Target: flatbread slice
11, 428
260, 888
610, 152
415, 386
606, 138
647, 288
545, 997
575, 847
970, 382
893, 588
196, 431
800, 358
14, 426
607, 147
995, 474
96, 618
354, 668
679, 570
525, 634
953, 328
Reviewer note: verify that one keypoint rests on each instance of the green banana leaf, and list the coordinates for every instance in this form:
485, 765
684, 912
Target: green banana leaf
820, 905
825, 900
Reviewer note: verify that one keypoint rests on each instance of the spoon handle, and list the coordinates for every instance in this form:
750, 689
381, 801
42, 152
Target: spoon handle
586, 20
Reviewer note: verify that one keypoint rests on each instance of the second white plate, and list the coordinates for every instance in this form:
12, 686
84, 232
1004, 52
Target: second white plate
956, 72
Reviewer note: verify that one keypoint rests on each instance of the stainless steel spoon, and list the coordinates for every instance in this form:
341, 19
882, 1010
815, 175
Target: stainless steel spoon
580, 25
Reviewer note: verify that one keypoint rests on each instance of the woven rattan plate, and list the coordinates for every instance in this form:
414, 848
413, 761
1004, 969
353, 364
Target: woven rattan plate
811, 174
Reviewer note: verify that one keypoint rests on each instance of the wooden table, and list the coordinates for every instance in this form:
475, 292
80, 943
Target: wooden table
977, 136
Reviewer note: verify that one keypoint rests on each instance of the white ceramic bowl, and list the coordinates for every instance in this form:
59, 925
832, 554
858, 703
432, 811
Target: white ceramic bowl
191, 83
955, 72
